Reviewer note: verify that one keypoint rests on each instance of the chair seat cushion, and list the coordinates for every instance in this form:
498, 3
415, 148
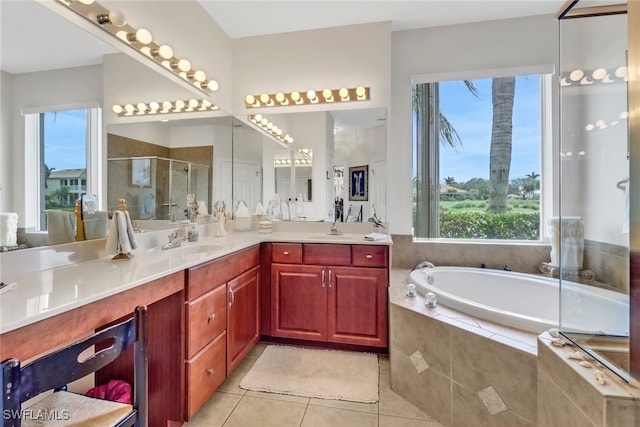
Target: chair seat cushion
65, 408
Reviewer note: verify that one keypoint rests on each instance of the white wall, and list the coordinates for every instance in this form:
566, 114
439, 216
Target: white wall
478, 46
6, 143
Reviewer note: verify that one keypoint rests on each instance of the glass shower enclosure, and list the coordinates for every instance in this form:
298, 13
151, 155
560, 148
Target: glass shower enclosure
593, 229
156, 187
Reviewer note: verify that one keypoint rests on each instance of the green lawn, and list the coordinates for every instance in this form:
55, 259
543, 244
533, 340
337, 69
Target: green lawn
517, 206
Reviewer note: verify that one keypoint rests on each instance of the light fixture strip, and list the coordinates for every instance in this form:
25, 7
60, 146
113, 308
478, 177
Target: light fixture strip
149, 108
270, 129
310, 97
114, 23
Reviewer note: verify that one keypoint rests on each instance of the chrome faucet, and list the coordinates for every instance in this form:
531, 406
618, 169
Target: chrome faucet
174, 241
334, 229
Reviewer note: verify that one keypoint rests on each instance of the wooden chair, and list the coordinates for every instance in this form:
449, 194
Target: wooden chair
54, 370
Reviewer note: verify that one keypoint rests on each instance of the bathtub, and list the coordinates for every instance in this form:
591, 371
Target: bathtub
525, 301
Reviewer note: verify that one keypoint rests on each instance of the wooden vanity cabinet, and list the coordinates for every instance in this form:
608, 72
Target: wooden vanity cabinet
221, 321
332, 293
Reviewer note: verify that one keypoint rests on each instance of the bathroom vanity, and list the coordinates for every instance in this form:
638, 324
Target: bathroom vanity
208, 304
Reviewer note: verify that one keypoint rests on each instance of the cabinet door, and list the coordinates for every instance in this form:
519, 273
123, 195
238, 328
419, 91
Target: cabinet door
298, 301
357, 311
243, 326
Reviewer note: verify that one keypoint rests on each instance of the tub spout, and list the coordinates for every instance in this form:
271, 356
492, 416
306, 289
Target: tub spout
423, 264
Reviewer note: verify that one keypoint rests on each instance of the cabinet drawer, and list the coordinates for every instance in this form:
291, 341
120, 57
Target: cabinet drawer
369, 256
206, 318
287, 253
207, 276
205, 372
327, 254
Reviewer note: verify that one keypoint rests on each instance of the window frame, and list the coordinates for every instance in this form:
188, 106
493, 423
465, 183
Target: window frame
34, 185
427, 158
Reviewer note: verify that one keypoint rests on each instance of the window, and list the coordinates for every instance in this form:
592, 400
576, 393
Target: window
477, 157
66, 149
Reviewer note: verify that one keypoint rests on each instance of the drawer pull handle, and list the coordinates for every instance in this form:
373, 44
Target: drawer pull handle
211, 371
323, 278
329, 278
286, 253
369, 256
211, 317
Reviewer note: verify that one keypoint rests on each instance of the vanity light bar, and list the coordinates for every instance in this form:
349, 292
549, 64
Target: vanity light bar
179, 106
267, 126
287, 162
325, 96
580, 77
114, 23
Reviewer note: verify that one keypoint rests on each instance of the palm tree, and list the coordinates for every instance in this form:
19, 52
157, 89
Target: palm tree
502, 95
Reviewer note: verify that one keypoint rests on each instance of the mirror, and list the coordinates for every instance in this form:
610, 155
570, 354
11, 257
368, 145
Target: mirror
89, 71
340, 139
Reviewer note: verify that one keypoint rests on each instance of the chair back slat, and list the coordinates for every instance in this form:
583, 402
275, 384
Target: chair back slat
63, 366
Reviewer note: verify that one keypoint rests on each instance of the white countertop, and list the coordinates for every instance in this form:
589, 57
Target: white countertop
56, 279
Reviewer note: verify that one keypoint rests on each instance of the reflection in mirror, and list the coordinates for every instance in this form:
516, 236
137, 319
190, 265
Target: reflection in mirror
594, 228
179, 158
344, 139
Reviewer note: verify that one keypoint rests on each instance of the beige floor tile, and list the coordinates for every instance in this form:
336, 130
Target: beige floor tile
393, 404
232, 383
389, 421
321, 416
277, 396
257, 350
383, 362
343, 404
253, 411
215, 411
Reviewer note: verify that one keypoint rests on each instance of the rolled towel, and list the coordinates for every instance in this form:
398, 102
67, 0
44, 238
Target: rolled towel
61, 227
8, 229
95, 225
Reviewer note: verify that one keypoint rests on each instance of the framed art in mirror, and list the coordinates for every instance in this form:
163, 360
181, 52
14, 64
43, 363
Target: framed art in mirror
358, 183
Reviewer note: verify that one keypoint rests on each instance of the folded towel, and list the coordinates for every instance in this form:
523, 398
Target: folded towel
375, 236
121, 236
61, 227
95, 225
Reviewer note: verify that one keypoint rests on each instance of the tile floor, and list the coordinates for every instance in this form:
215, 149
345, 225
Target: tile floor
232, 406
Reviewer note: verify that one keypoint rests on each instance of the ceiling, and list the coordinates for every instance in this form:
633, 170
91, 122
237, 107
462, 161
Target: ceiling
241, 18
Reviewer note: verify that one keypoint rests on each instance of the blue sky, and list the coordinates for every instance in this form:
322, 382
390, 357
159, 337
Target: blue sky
472, 118
65, 139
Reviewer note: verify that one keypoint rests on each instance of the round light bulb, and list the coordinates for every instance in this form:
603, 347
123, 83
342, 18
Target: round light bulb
264, 98
166, 105
129, 108
264, 121
117, 18
144, 36
184, 65
193, 103
599, 74
280, 97
295, 96
311, 94
86, 1
327, 94
180, 104
164, 52
344, 93
576, 75
142, 107
154, 106
117, 109
258, 117
249, 99
211, 85
360, 91
200, 76
206, 103
621, 72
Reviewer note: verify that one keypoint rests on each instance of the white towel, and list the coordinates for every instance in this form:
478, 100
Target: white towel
95, 225
61, 227
121, 236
